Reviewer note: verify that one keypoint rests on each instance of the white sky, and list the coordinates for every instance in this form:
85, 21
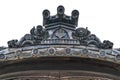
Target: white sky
102, 17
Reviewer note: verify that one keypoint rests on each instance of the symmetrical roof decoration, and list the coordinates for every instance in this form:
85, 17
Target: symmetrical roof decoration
60, 17
60, 45
60, 32
60, 29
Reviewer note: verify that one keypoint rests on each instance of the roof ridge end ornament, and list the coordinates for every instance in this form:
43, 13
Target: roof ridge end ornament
60, 17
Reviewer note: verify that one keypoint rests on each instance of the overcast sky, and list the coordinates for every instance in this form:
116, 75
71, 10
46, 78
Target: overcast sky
102, 17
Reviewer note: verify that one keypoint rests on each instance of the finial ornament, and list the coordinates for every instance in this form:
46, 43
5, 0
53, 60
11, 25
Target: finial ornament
60, 11
60, 17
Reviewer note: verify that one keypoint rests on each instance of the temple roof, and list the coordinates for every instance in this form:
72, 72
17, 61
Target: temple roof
60, 36
59, 44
